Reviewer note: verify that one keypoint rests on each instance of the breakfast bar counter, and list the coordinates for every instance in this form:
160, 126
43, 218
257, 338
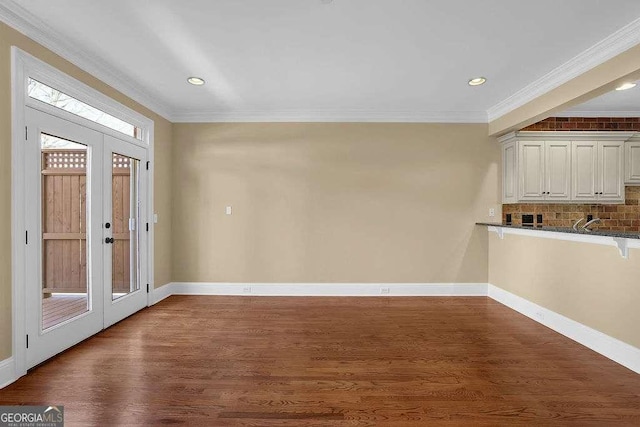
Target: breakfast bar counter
621, 239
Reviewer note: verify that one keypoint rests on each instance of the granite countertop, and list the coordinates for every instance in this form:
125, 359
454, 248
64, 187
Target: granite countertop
595, 232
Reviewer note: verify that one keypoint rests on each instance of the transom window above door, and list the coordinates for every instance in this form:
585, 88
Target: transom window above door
58, 99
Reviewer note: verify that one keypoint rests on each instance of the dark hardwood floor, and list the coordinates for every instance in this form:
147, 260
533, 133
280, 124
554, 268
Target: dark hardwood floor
229, 361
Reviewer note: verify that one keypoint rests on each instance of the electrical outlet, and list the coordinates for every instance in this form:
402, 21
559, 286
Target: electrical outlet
246, 290
227, 210
492, 212
385, 291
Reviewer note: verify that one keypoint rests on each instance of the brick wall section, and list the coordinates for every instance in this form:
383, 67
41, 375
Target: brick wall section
614, 217
586, 124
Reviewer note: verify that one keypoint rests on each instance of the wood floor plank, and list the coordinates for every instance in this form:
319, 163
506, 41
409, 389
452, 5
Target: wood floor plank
271, 361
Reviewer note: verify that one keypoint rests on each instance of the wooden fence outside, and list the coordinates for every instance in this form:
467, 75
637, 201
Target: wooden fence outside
64, 209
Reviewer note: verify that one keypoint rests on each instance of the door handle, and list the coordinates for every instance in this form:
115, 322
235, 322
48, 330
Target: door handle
108, 240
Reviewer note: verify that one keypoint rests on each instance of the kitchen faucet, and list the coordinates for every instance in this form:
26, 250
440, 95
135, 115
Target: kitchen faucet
593, 221
575, 226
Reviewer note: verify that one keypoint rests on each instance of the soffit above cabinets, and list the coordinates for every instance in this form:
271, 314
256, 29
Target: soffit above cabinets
616, 103
348, 60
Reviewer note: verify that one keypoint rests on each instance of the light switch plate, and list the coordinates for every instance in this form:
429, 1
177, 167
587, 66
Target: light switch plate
228, 210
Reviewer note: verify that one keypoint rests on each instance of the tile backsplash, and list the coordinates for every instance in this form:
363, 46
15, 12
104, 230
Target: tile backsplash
619, 217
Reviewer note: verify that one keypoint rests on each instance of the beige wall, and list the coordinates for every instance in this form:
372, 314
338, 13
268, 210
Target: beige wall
331, 202
162, 201
591, 284
163, 134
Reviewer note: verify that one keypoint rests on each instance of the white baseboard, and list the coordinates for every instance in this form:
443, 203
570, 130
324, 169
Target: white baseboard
7, 372
162, 292
610, 347
322, 289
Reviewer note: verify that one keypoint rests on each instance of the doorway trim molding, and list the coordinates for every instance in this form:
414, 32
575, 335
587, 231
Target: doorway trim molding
25, 65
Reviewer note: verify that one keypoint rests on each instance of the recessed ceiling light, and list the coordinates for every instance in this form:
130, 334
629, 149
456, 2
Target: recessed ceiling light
626, 86
477, 81
196, 81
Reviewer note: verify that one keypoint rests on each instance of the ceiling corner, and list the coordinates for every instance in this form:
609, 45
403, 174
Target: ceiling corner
26, 23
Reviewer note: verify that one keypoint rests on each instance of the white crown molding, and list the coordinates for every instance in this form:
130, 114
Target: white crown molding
33, 27
332, 116
613, 114
36, 29
618, 42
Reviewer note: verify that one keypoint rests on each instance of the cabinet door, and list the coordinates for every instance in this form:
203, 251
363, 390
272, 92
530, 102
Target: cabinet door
531, 170
632, 158
584, 166
558, 170
509, 173
610, 171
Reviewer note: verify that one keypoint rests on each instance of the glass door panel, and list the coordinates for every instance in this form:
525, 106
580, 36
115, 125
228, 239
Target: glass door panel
126, 217
64, 170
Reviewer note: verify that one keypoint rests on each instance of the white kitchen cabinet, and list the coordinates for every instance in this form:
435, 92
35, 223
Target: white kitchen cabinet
531, 167
611, 171
632, 162
557, 170
509, 173
584, 164
545, 170
597, 171
580, 167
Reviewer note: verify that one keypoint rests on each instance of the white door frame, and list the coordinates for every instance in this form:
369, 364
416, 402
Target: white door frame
23, 67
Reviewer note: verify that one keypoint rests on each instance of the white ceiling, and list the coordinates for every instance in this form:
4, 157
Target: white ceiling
624, 103
406, 60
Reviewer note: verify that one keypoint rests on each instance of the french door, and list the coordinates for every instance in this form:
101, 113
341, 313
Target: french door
85, 251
